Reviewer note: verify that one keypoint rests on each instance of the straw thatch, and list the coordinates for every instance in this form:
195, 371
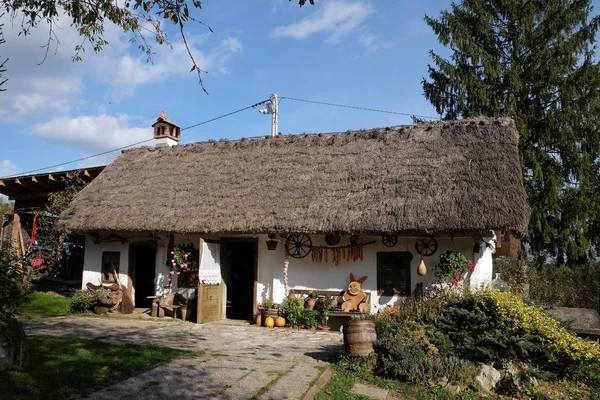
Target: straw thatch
438, 177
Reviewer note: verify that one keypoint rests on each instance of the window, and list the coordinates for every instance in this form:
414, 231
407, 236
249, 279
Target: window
393, 273
110, 264
187, 280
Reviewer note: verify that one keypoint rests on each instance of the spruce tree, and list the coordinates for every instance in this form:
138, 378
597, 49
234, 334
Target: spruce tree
534, 61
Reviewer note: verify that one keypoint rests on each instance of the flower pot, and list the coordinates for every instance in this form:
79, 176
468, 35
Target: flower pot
324, 328
288, 325
312, 328
310, 304
183, 311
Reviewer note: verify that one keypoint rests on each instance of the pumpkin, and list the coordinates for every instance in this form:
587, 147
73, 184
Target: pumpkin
280, 322
269, 322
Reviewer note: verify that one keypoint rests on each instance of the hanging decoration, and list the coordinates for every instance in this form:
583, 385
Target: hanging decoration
422, 269
286, 267
298, 245
332, 240
389, 240
351, 252
426, 246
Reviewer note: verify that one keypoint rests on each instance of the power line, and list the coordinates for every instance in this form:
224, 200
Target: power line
358, 108
225, 115
133, 144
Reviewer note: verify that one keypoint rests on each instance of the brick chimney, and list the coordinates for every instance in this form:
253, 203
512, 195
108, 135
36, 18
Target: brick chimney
166, 133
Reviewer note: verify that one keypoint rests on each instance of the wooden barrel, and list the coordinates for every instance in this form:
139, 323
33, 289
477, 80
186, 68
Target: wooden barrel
359, 337
269, 312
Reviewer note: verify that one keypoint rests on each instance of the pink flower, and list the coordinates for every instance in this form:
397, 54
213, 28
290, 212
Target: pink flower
172, 273
173, 252
185, 256
471, 266
169, 280
178, 272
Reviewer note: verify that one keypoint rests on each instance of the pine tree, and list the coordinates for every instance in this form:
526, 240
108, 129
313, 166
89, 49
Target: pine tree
534, 61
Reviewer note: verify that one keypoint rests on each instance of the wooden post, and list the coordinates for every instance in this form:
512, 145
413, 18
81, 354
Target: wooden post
2, 231
14, 239
199, 313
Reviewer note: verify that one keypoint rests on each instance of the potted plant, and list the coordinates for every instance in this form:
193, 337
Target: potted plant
292, 312
326, 307
309, 318
312, 299
453, 267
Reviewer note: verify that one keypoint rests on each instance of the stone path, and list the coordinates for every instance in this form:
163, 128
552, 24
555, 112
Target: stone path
238, 361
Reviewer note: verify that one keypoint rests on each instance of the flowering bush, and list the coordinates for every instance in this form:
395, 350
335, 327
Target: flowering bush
560, 346
453, 265
184, 261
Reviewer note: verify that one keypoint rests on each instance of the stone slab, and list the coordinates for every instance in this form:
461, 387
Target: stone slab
581, 320
372, 392
294, 384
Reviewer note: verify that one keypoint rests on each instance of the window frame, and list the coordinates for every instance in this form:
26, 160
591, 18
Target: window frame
404, 259
107, 257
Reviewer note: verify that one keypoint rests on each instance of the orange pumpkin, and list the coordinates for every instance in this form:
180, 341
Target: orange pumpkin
269, 322
280, 322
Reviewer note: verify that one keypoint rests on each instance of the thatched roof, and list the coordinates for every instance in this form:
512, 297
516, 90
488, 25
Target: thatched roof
437, 177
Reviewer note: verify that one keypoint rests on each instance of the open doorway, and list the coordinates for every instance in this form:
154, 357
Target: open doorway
238, 258
142, 271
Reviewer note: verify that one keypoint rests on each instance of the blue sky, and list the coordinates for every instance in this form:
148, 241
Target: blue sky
357, 52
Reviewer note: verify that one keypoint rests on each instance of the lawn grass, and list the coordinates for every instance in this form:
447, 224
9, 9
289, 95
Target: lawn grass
338, 388
56, 368
40, 304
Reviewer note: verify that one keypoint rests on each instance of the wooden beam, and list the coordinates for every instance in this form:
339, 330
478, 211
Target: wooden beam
87, 173
51, 177
42, 183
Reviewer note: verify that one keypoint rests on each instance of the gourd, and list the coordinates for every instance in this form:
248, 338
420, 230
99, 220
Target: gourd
269, 322
279, 322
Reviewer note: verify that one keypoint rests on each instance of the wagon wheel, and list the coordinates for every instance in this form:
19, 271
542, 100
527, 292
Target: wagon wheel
298, 246
426, 245
389, 240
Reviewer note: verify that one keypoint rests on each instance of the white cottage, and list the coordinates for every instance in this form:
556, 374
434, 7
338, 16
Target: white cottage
300, 212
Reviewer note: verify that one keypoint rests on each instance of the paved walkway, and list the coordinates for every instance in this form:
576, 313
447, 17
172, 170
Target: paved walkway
239, 360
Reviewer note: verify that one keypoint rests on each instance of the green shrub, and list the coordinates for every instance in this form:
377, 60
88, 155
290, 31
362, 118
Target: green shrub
83, 302
559, 348
551, 284
405, 352
470, 333
11, 289
309, 318
292, 311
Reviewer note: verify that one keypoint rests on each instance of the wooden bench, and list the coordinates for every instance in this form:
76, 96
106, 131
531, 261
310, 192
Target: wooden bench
337, 298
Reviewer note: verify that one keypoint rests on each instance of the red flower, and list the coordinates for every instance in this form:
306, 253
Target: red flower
452, 265
471, 266
454, 282
457, 276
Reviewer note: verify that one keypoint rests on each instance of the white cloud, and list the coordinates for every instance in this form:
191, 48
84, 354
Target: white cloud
130, 72
59, 85
7, 168
337, 19
93, 133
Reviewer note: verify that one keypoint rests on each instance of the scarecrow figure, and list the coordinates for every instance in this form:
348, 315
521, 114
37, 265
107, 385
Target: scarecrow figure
354, 296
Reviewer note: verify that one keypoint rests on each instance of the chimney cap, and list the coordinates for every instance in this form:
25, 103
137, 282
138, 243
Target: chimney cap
163, 118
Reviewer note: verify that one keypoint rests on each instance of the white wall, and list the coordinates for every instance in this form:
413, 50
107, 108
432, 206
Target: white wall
92, 264
304, 274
